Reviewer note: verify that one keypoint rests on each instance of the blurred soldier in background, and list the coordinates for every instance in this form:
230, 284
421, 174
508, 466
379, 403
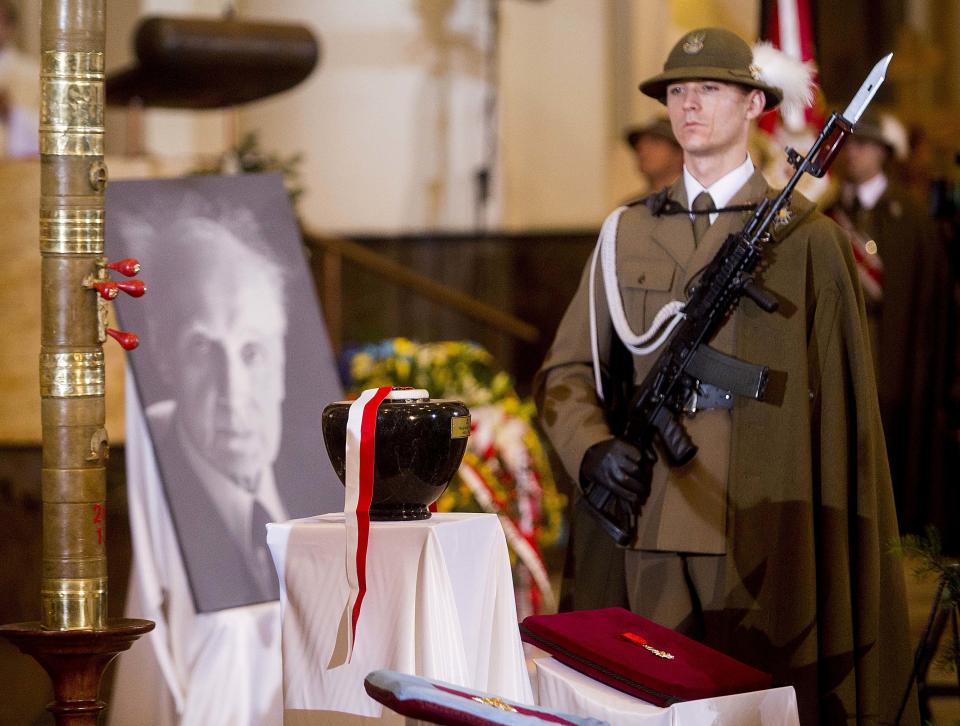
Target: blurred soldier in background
904, 271
657, 153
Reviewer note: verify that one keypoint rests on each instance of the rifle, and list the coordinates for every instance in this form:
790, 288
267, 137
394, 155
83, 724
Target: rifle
653, 414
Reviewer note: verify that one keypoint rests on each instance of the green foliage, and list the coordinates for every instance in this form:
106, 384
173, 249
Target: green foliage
926, 551
511, 461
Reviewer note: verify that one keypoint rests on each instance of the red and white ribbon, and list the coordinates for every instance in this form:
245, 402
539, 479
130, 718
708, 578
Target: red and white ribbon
869, 263
358, 482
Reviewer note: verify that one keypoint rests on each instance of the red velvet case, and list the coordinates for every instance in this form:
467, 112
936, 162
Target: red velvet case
639, 657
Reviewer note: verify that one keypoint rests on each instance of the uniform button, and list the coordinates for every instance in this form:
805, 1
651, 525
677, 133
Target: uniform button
642, 277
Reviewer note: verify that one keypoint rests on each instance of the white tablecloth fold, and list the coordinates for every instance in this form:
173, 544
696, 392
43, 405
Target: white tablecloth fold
439, 604
562, 688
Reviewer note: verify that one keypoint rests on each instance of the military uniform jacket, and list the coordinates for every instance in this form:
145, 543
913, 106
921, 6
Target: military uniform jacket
809, 516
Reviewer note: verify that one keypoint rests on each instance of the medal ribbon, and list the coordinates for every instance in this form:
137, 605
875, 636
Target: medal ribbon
358, 481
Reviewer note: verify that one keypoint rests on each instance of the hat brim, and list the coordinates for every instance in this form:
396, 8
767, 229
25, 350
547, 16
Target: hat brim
656, 87
633, 137
871, 133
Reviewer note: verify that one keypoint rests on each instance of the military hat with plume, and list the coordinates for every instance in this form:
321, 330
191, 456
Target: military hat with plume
720, 55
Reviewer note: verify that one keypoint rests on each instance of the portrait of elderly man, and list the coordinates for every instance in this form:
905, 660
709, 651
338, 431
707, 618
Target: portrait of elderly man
221, 434
214, 375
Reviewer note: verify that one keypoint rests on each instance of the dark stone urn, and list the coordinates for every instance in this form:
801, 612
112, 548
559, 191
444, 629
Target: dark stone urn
419, 444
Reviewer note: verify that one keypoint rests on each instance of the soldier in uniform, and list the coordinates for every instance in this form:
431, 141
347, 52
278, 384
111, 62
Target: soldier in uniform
658, 155
773, 544
904, 267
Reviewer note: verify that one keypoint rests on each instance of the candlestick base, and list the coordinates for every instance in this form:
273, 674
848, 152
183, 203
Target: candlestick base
75, 661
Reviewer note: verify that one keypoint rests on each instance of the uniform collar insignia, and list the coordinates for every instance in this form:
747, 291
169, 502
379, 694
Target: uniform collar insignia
784, 217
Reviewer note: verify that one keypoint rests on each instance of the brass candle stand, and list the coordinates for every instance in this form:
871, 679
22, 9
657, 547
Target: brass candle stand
74, 639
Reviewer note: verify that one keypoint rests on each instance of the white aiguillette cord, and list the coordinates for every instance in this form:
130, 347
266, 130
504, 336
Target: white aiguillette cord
358, 494
664, 321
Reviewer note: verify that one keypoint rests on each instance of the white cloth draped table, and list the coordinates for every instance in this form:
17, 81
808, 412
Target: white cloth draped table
439, 604
562, 688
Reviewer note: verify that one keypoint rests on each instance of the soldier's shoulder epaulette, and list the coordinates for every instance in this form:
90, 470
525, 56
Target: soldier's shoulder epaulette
658, 203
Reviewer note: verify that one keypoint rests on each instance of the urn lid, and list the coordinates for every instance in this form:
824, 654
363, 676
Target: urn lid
407, 393
403, 394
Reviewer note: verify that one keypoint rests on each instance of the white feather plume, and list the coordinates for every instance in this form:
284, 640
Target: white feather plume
793, 77
895, 134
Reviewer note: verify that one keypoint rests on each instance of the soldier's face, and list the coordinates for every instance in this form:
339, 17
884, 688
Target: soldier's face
657, 157
863, 159
231, 371
711, 118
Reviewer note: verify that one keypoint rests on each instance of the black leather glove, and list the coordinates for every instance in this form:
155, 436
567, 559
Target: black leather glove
621, 468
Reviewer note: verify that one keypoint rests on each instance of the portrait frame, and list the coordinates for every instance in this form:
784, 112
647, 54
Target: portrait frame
257, 206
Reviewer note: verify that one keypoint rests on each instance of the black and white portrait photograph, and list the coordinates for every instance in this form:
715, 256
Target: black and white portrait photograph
233, 369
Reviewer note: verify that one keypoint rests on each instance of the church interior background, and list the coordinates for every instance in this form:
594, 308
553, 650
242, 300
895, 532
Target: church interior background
476, 144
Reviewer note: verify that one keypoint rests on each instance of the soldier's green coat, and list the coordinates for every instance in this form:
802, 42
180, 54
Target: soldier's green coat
808, 588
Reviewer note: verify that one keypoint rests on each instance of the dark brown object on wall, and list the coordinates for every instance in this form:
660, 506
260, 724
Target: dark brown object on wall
199, 63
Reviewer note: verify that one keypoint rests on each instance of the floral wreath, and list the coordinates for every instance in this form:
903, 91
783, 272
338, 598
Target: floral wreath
505, 469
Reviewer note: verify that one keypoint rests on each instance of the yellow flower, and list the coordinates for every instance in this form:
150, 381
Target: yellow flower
361, 366
511, 405
436, 353
442, 379
404, 347
500, 385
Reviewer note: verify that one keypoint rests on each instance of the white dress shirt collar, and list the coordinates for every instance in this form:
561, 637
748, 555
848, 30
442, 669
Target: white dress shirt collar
722, 190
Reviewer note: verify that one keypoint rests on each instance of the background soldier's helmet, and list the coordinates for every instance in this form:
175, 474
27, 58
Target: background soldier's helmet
884, 129
660, 126
716, 54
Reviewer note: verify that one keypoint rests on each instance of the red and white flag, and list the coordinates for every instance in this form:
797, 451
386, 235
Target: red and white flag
789, 28
358, 482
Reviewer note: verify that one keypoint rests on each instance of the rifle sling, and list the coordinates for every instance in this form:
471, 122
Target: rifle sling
660, 204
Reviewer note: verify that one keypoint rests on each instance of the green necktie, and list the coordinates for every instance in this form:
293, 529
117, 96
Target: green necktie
702, 203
